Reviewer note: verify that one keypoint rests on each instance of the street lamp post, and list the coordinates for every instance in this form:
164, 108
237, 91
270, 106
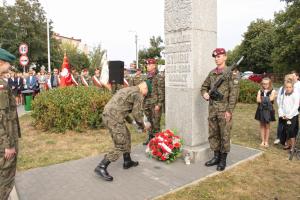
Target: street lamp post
48, 44
136, 48
136, 51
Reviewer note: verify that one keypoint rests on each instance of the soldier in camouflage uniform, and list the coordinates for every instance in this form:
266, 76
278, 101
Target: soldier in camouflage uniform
116, 113
153, 102
220, 111
85, 78
75, 77
138, 77
9, 129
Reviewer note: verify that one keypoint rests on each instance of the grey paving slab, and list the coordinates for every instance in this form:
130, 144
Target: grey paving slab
21, 110
76, 180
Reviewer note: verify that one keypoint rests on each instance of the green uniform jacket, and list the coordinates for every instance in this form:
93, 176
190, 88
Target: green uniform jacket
157, 97
125, 101
137, 79
229, 88
87, 78
9, 122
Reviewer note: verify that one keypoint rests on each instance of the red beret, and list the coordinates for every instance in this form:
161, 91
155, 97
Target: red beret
151, 61
218, 51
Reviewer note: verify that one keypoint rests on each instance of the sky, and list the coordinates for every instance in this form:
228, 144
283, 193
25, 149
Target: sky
114, 23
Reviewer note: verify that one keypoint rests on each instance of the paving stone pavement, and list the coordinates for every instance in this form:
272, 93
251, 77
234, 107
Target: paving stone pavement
76, 180
21, 110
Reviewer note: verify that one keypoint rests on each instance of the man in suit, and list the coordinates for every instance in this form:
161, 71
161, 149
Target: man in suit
32, 83
55, 80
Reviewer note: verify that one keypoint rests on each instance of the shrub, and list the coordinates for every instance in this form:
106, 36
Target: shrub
69, 108
248, 91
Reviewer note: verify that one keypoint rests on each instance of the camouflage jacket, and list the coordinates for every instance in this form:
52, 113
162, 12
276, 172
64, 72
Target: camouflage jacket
157, 97
137, 79
9, 126
229, 88
126, 101
88, 80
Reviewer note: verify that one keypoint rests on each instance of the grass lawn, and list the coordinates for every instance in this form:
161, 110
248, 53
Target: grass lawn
270, 176
39, 148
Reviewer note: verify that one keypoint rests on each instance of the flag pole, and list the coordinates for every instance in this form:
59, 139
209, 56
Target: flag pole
48, 44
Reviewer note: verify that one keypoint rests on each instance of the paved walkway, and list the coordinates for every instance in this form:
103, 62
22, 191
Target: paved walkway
76, 180
21, 110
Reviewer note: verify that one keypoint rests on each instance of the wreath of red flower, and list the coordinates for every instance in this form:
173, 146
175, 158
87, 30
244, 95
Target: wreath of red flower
165, 146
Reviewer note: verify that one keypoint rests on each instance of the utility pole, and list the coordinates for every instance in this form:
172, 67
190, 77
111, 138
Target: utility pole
136, 51
48, 43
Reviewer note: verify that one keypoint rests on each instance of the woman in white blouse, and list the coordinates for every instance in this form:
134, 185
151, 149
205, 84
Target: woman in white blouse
288, 111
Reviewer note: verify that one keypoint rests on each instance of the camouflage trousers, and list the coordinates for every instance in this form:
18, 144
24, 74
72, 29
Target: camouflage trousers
154, 119
121, 138
7, 175
219, 132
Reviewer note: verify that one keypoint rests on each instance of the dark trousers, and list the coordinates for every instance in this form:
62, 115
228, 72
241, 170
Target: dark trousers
280, 128
290, 130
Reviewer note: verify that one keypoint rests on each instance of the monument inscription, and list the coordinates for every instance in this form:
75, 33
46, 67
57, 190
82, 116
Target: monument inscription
190, 37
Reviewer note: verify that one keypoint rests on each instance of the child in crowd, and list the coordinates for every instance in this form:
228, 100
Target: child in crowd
287, 78
265, 112
288, 111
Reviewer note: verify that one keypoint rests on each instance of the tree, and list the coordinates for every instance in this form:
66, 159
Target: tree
96, 57
77, 59
286, 54
154, 51
25, 21
290, 1
257, 46
233, 55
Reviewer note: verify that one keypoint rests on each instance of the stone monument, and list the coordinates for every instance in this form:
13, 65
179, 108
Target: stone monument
190, 37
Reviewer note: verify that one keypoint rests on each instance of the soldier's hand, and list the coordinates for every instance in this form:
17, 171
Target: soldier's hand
147, 126
157, 108
206, 96
9, 153
228, 116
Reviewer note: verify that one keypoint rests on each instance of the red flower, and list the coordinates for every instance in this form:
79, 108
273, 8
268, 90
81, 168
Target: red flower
164, 145
177, 145
159, 154
154, 152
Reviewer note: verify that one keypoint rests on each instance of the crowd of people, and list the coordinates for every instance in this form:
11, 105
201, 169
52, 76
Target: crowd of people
145, 98
288, 101
43, 80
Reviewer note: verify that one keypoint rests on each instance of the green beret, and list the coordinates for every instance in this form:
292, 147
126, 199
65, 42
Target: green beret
6, 56
149, 85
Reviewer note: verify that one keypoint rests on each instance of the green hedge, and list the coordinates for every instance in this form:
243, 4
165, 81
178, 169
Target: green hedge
248, 91
69, 108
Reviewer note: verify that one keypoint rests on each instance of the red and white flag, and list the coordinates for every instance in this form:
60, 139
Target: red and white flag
65, 75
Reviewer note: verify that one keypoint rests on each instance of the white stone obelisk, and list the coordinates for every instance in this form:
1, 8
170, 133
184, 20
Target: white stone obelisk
190, 38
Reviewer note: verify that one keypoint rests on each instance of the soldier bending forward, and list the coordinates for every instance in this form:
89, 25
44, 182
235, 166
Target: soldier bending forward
125, 101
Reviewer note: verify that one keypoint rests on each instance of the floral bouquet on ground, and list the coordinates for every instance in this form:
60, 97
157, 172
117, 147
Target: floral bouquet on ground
165, 146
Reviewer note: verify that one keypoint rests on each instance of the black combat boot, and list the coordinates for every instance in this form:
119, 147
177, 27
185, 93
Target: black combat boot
214, 161
150, 136
222, 164
128, 162
101, 170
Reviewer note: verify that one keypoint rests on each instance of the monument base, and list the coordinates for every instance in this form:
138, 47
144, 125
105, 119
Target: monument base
198, 153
